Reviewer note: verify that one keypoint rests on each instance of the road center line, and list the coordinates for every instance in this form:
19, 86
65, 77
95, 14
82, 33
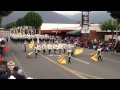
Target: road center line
74, 58
65, 68
92, 76
111, 60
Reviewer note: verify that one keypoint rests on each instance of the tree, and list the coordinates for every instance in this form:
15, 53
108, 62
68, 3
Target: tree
109, 25
116, 15
4, 13
20, 22
33, 19
10, 25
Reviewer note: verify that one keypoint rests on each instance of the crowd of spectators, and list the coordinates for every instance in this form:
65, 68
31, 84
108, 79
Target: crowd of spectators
7, 73
106, 46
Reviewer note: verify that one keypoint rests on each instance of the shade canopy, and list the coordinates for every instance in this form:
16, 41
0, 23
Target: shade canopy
74, 32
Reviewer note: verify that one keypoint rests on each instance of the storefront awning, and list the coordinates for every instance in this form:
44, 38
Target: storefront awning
74, 32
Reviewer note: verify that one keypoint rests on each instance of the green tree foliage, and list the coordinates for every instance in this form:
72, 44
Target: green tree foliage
10, 25
109, 25
33, 19
115, 15
20, 22
5, 13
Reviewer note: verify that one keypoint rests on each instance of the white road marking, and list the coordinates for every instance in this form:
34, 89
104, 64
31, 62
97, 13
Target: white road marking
111, 60
108, 59
80, 60
53, 55
65, 68
75, 72
71, 57
20, 65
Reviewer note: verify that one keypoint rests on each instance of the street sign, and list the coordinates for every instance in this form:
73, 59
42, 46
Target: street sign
85, 22
85, 30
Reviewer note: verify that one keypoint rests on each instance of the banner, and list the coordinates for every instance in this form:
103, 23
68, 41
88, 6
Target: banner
78, 51
94, 56
62, 59
31, 45
30, 53
85, 22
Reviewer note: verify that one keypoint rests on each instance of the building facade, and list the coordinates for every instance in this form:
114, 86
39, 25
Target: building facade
62, 29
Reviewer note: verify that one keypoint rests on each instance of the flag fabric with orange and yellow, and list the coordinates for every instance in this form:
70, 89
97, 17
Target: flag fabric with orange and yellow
78, 51
62, 59
30, 53
94, 56
31, 45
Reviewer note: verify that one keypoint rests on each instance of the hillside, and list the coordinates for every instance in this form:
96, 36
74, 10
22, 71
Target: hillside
48, 17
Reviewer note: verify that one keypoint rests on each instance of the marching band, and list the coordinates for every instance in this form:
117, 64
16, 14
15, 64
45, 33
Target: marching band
44, 43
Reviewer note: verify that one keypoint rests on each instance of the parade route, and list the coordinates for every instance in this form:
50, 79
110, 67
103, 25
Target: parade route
47, 67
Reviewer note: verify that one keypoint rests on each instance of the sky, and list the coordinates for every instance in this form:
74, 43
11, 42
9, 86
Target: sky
67, 12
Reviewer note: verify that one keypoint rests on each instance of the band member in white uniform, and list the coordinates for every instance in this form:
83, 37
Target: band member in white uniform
38, 48
44, 48
49, 47
69, 51
59, 47
64, 47
55, 47
25, 46
68, 47
35, 50
73, 49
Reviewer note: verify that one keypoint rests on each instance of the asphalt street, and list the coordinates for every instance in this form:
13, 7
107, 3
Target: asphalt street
47, 67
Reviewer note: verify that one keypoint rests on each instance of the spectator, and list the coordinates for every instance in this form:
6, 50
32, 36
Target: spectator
3, 74
15, 70
12, 76
20, 75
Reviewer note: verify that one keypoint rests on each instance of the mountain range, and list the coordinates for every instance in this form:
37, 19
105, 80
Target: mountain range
94, 16
52, 17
